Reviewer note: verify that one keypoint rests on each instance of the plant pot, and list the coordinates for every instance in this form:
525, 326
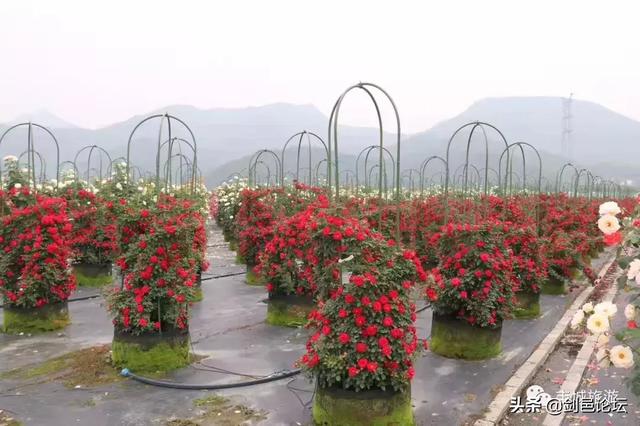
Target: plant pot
198, 296
92, 274
574, 273
252, 277
527, 305
554, 286
340, 407
455, 338
289, 311
233, 245
151, 352
240, 260
35, 320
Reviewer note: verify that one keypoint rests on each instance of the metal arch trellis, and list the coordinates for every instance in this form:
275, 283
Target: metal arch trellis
589, 177
91, 148
168, 173
317, 173
410, 173
309, 136
383, 172
383, 165
464, 173
482, 171
253, 161
170, 143
423, 167
168, 118
73, 165
30, 148
43, 163
333, 137
560, 175
474, 125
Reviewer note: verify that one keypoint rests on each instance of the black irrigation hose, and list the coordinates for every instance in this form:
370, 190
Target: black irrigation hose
223, 276
76, 299
186, 386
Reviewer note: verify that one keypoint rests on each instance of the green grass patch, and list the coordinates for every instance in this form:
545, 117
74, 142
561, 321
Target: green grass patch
86, 368
220, 411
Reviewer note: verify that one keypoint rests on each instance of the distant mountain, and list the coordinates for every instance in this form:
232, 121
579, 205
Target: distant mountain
44, 118
603, 140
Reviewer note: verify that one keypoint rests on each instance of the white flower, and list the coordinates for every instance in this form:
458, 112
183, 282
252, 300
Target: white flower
598, 323
587, 308
119, 186
610, 207
10, 159
17, 185
621, 356
630, 312
602, 359
608, 224
577, 319
603, 341
346, 259
606, 308
634, 269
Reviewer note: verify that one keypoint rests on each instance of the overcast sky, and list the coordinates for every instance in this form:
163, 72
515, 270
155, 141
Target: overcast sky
93, 63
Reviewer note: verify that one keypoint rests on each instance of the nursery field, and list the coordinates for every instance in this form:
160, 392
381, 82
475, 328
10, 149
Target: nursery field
378, 296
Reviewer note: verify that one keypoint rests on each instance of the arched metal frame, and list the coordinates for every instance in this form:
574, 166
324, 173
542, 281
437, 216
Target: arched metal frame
72, 164
317, 174
367, 152
168, 169
423, 167
31, 149
589, 177
309, 135
43, 163
169, 119
560, 175
410, 173
183, 160
474, 125
91, 148
333, 137
253, 161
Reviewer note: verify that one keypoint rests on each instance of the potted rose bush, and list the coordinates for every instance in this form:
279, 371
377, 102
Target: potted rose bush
473, 290
363, 332
159, 268
93, 237
35, 281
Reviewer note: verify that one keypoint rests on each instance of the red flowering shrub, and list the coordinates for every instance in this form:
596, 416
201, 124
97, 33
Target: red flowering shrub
474, 279
34, 268
529, 265
94, 230
159, 265
364, 335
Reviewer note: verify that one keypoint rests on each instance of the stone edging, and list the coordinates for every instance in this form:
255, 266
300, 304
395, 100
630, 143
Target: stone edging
523, 375
574, 376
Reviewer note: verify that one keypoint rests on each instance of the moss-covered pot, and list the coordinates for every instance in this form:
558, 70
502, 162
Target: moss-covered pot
289, 311
240, 260
554, 286
233, 245
339, 407
93, 275
455, 338
35, 320
527, 305
252, 277
198, 286
151, 352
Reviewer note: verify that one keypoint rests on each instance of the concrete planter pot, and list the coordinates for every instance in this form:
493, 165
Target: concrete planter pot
554, 286
289, 311
151, 352
340, 407
35, 320
253, 278
527, 305
455, 338
93, 275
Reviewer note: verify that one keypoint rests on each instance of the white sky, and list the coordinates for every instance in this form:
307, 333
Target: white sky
96, 62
